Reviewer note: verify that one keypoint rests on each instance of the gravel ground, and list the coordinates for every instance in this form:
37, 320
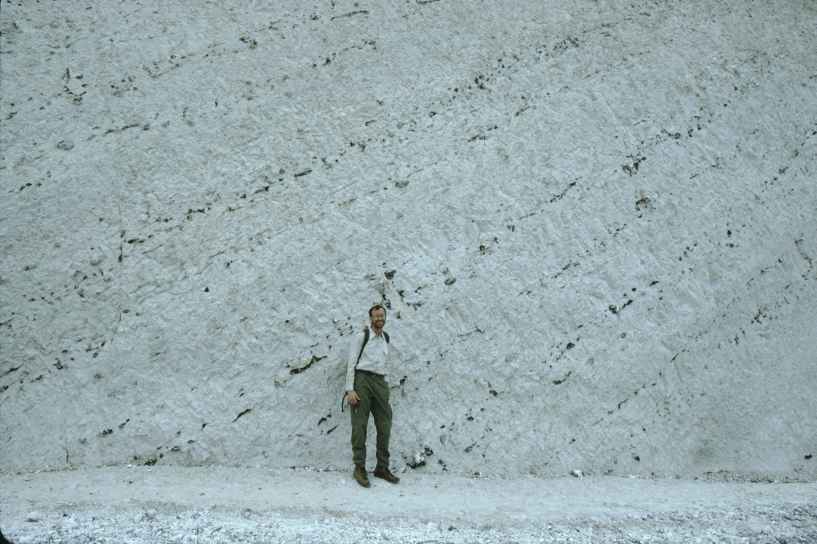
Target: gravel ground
160, 505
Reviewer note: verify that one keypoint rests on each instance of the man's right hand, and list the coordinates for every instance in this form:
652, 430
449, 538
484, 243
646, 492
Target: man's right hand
352, 398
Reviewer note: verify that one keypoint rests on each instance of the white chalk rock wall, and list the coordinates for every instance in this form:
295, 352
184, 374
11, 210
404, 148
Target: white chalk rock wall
594, 224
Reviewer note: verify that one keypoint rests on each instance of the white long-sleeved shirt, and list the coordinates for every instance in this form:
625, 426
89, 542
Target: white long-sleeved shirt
375, 357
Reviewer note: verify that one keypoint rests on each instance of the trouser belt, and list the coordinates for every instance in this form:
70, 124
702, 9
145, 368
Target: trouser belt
370, 373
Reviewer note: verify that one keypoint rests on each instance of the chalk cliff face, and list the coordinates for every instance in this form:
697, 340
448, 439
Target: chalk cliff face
594, 225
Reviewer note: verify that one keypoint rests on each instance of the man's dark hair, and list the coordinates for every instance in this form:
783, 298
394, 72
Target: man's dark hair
376, 307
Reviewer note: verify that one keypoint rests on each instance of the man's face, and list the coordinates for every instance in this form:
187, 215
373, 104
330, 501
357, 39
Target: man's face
378, 318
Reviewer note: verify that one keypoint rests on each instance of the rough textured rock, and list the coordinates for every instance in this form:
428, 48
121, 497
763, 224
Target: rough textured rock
593, 223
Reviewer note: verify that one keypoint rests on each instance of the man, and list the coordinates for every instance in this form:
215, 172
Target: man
367, 391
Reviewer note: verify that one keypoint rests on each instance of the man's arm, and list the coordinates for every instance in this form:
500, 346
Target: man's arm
354, 351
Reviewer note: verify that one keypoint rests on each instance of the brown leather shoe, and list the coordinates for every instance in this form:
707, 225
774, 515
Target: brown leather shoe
385, 474
360, 475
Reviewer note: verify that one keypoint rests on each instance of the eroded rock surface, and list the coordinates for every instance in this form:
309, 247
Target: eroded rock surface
593, 224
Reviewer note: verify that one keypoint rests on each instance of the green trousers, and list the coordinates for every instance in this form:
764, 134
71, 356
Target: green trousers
374, 397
